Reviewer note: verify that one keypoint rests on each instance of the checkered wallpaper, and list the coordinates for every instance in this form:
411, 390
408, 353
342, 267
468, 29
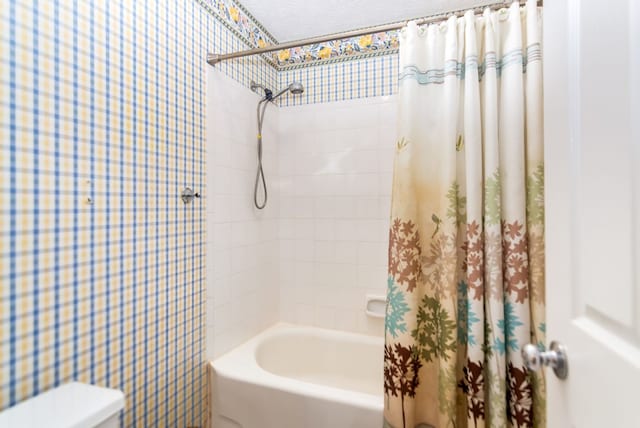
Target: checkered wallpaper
101, 264
344, 80
101, 126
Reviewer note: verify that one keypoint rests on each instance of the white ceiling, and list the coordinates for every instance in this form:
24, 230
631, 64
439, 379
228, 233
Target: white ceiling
290, 20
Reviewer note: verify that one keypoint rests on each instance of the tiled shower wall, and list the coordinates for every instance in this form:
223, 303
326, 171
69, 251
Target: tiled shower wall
106, 100
242, 248
320, 246
336, 162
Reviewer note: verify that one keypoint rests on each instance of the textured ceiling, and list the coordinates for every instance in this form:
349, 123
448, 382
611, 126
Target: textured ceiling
290, 20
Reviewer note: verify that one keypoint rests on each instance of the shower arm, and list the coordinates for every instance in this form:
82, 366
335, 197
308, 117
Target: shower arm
214, 58
282, 91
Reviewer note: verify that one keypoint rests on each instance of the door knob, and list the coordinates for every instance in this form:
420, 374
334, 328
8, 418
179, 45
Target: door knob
555, 357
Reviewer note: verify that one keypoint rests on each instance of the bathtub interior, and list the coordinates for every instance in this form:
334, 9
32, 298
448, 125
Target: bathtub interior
297, 376
345, 361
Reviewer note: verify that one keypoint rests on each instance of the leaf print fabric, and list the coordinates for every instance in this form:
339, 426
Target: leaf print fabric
396, 309
508, 327
466, 316
516, 269
404, 254
401, 367
519, 396
472, 386
466, 242
434, 332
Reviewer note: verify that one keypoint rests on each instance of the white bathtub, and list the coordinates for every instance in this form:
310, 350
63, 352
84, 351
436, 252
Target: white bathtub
300, 377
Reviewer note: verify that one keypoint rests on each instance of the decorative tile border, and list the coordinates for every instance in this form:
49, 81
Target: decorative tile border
237, 18
383, 43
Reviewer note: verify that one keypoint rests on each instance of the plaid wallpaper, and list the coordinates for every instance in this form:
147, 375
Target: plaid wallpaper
105, 100
101, 126
342, 80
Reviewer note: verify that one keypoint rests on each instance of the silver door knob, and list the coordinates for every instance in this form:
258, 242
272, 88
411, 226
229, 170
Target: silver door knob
555, 357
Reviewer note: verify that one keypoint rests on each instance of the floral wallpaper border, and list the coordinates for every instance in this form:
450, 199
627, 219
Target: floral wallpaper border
237, 18
341, 49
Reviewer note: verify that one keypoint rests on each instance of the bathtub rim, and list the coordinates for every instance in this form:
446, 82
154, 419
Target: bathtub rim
240, 364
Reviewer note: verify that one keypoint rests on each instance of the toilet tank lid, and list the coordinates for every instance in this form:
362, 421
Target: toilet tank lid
72, 405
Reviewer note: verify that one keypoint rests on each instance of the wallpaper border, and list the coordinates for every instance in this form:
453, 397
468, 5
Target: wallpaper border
235, 17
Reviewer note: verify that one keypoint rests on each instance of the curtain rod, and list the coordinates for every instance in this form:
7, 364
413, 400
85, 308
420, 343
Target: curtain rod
213, 58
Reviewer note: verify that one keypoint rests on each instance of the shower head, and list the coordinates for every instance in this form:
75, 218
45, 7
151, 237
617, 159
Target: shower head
296, 88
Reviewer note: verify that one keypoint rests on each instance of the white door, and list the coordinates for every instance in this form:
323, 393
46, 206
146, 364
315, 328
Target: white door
592, 156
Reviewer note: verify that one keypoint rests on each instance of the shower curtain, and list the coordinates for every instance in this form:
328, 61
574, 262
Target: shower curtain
466, 243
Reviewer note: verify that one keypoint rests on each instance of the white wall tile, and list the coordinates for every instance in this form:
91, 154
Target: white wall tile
320, 245
324, 251
346, 252
304, 228
324, 228
242, 285
341, 181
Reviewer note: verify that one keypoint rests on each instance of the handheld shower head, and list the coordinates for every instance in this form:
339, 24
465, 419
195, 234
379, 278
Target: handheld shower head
296, 88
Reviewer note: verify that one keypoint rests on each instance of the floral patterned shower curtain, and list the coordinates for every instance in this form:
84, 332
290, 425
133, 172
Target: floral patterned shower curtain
466, 243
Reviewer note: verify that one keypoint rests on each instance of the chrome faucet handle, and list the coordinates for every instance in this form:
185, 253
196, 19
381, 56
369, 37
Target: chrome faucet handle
188, 195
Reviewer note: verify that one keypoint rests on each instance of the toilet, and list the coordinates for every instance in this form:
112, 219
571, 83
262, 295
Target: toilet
72, 405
